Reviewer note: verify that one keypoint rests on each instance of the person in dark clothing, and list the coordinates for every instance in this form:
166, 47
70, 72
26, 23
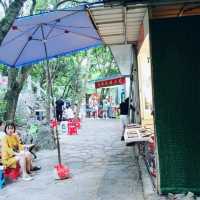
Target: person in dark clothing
124, 106
59, 109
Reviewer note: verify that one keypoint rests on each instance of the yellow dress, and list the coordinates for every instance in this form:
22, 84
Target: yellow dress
10, 145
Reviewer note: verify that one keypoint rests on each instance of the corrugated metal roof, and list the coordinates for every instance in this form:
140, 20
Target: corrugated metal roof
118, 24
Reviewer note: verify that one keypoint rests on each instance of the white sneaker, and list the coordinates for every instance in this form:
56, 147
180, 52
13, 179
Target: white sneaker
27, 178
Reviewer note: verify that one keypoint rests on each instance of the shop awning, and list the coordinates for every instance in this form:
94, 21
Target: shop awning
118, 24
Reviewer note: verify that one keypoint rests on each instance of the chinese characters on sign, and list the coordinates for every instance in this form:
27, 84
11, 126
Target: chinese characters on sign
112, 82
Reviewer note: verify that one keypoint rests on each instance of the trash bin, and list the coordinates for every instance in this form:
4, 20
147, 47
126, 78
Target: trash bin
63, 126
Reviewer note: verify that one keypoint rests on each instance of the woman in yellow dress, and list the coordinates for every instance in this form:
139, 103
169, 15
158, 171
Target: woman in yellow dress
13, 152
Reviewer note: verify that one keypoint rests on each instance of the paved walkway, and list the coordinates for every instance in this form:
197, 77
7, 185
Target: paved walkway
102, 168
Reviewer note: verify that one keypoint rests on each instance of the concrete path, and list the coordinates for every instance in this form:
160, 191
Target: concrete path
102, 168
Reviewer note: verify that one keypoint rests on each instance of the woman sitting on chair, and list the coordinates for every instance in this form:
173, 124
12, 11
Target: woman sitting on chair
13, 152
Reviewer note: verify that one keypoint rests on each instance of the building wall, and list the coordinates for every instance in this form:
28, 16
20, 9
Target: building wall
134, 95
144, 74
175, 47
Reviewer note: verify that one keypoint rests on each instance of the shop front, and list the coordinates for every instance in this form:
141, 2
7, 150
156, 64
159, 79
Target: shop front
164, 82
113, 91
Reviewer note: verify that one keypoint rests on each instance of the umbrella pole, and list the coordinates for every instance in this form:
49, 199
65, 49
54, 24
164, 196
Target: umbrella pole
54, 110
50, 92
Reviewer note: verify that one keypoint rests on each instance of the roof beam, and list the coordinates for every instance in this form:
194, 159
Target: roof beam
110, 35
125, 22
93, 22
109, 22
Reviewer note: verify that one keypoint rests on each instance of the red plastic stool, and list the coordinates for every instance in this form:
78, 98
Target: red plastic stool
77, 123
151, 145
72, 129
153, 172
12, 173
61, 171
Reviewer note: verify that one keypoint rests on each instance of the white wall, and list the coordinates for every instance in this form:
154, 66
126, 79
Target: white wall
124, 57
144, 73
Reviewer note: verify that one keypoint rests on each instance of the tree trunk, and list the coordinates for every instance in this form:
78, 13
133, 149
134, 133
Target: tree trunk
11, 97
16, 79
11, 13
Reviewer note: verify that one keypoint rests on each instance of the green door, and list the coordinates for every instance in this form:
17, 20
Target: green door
176, 81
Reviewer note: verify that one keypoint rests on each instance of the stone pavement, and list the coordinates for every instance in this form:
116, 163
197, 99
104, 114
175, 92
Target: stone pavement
102, 168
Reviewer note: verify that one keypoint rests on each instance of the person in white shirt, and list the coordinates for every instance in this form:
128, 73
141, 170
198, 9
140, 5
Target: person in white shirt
68, 113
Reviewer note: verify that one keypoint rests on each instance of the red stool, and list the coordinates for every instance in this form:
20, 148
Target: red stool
151, 149
77, 123
151, 145
12, 173
72, 129
153, 172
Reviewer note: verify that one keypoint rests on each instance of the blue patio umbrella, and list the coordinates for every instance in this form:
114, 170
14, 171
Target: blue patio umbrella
48, 35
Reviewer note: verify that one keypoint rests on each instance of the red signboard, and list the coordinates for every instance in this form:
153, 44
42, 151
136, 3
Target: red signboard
111, 82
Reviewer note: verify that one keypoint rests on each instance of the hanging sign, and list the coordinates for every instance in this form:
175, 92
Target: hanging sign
111, 82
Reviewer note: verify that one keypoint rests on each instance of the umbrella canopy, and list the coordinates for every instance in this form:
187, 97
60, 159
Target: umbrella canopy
48, 35
39, 37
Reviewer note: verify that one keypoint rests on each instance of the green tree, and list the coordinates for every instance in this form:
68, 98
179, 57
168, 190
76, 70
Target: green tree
103, 66
11, 12
16, 77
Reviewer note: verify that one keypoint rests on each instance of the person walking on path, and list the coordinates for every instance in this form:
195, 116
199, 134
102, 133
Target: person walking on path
124, 106
105, 109
59, 109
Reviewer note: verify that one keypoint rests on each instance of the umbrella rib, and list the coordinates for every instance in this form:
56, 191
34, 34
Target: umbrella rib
84, 35
25, 46
36, 24
65, 16
43, 37
56, 25
54, 36
8, 42
80, 34
62, 26
53, 26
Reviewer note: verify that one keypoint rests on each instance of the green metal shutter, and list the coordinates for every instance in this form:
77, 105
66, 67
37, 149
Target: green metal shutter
176, 79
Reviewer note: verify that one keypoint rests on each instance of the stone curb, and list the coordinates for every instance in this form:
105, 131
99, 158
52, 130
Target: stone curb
148, 189
149, 192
